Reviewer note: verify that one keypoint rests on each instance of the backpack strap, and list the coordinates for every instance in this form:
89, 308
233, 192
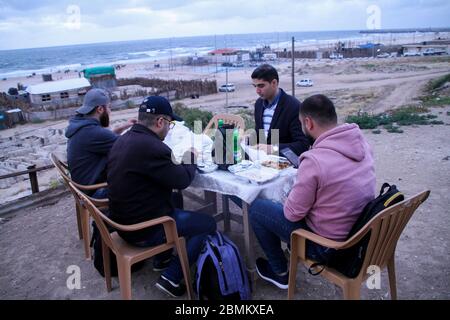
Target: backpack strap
316, 265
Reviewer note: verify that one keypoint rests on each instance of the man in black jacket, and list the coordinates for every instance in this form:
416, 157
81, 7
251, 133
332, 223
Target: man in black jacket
276, 114
141, 177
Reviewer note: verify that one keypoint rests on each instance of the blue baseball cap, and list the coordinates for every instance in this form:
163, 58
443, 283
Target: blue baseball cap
158, 105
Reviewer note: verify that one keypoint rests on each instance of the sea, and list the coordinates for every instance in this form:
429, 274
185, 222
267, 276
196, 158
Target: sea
24, 62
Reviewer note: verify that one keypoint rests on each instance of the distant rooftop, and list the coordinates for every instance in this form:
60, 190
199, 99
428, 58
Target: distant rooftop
58, 86
224, 51
98, 71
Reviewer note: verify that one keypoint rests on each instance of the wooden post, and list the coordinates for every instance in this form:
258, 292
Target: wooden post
33, 179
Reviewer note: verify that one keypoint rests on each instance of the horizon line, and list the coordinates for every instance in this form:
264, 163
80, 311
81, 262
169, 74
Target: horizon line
385, 30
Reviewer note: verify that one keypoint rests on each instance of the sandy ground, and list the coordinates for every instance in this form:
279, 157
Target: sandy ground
37, 245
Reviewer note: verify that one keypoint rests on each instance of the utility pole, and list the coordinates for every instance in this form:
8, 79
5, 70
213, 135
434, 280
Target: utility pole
226, 91
293, 65
215, 55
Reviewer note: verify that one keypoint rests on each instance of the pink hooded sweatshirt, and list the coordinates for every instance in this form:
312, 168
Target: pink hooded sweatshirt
335, 180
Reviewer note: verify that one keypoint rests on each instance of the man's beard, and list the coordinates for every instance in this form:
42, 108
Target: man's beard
310, 139
104, 119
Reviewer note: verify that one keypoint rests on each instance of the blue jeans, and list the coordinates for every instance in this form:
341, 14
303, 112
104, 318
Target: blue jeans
271, 227
194, 227
101, 193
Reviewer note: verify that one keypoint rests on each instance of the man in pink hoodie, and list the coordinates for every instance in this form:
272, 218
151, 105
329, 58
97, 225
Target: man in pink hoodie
335, 180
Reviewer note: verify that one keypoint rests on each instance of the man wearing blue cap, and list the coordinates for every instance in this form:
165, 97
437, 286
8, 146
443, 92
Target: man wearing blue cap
89, 140
141, 177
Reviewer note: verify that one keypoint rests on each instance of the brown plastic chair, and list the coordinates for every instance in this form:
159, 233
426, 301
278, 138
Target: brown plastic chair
386, 228
81, 212
234, 119
127, 254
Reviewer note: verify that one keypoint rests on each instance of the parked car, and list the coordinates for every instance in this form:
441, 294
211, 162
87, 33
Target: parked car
227, 64
433, 52
411, 54
305, 83
335, 55
238, 64
229, 87
383, 55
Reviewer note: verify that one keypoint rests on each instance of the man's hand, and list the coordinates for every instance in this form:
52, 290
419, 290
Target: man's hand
125, 126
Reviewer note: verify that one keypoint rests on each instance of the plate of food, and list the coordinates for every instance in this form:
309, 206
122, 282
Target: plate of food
259, 175
275, 162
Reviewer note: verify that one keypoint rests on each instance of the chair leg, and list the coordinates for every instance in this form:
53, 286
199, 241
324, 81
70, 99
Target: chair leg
392, 279
124, 270
106, 266
293, 270
352, 291
84, 217
182, 255
78, 214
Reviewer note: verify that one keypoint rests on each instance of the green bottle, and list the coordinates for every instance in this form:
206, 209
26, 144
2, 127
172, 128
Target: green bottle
236, 147
220, 123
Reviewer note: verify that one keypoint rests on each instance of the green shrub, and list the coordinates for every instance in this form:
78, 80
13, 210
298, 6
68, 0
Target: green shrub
436, 122
437, 83
190, 115
393, 129
364, 120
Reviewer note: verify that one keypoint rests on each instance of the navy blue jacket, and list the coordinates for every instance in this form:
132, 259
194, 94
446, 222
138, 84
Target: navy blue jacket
286, 120
87, 149
141, 177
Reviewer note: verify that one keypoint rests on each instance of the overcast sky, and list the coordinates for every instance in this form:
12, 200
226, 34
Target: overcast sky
39, 23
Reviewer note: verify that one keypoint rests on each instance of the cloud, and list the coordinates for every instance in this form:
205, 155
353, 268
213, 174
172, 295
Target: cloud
43, 23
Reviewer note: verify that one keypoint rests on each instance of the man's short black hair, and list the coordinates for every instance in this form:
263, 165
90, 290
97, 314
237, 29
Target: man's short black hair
320, 108
265, 72
148, 119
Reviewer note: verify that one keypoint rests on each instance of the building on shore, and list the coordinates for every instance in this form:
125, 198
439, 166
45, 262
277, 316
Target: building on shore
228, 56
101, 77
58, 94
435, 47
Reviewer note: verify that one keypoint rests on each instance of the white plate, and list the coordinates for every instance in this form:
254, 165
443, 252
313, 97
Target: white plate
241, 166
207, 167
259, 175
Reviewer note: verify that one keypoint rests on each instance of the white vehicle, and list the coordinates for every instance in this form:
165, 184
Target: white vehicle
411, 54
305, 83
383, 55
335, 55
229, 87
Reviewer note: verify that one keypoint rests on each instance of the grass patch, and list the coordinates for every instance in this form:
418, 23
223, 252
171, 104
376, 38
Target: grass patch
406, 116
436, 122
190, 115
431, 101
393, 129
437, 83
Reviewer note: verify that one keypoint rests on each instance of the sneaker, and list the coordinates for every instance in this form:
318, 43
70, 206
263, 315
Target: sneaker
265, 271
161, 265
172, 289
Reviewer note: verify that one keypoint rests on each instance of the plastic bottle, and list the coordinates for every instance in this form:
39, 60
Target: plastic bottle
236, 147
220, 123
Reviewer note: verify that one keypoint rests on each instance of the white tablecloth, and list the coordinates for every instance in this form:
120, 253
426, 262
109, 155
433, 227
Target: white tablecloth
225, 182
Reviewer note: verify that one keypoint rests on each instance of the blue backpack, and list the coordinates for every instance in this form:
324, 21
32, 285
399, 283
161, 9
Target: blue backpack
221, 273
